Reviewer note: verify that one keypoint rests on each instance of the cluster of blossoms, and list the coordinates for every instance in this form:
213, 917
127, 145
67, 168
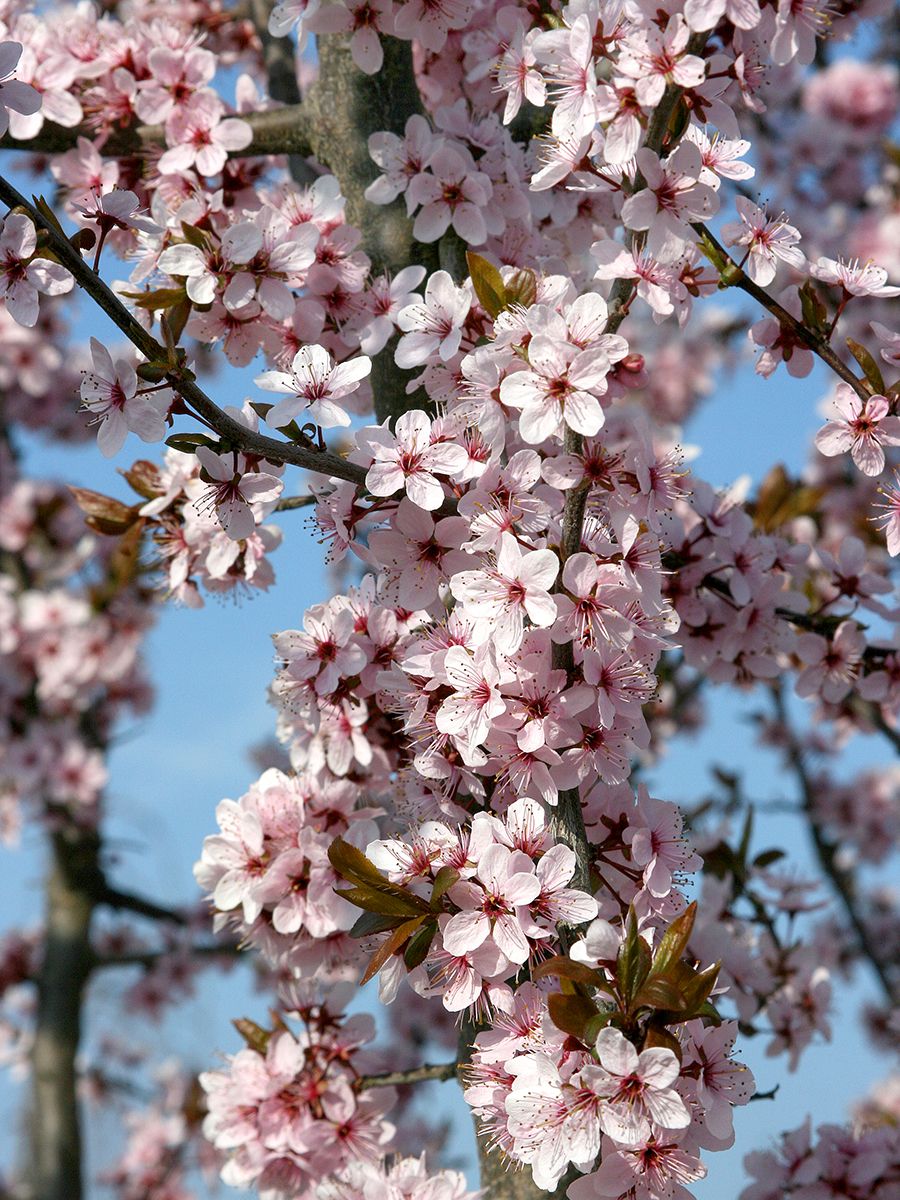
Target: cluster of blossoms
463, 725
288, 1105
69, 662
859, 1164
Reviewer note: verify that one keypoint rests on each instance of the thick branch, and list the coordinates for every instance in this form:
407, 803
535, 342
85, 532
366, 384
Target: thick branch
841, 879
148, 959
421, 1074
731, 275
54, 1167
127, 902
275, 131
345, 107
236, 434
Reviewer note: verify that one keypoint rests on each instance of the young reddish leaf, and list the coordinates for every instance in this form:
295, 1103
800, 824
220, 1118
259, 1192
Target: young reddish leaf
488, 284
522, 288
123, 563
143, 477
660, 993
187, 443
571, 1014
674, 941
104, 513
389, 947
254, 1035
658, 1035
561, 967
697, 991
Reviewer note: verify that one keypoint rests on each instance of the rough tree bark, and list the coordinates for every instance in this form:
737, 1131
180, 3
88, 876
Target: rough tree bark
54, 1167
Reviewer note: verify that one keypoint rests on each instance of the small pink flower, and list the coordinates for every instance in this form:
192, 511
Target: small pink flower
494, 905
314, 384
199, 136
863, 427
499, 600
232, 493
109, 392
20, 97
433, 325
22, 276
857, 279
409, 459
768, 240
639, 1088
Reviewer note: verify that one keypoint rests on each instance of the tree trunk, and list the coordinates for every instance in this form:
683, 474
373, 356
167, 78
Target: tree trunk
53, 1170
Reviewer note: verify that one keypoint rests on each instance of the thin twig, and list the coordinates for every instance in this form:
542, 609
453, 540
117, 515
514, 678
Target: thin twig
151, 958
732, 275
827, 852
440, 1071
239, 436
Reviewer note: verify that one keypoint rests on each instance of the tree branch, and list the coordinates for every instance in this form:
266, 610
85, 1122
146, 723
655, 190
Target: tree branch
442, 1071
127, 902
238, 435
148, 959
827, 853
275, 131
732, 275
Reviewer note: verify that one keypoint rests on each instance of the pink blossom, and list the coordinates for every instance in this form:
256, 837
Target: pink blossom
199, 136
856, 279
234, 494
862, 427
21, 97
671, 199
831, 664
494, 905
453, 193
434, 325
638, 1089
768, 241
22, 276
500, 599
109, 392
384, 300
313, 385
409, 459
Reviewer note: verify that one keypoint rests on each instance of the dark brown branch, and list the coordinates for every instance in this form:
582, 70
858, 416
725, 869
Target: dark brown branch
286, 503
280, 61
148, 959
428, 1071
54, 1167
842, 880
731, 275
127, 902
236, 434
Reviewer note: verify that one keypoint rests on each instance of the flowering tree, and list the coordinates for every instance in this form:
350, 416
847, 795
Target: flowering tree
474, 256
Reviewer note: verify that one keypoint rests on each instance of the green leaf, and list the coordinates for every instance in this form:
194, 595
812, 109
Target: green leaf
767, 857
254, 1035
368, 923
195, 237
673, 942
488, 284
376, 901
419, 944
658, 992
48, 214
443, 881
633, 962
870, 367
187, 443
522, 288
